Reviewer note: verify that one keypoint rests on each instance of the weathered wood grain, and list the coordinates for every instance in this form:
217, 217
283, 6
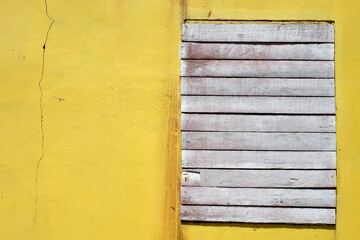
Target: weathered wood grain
259, 178
286, 105
257, 86
259, 141
258, 159
257, 51
257, 33
258, 123
257, 214
257, 68
258, 197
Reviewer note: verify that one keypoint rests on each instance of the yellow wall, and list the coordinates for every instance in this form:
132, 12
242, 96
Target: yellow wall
110, 88
107, 144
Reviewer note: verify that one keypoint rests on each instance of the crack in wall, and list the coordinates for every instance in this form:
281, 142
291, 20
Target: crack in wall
41, 114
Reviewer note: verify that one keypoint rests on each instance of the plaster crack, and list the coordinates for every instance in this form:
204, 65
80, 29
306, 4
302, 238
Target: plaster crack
41, 115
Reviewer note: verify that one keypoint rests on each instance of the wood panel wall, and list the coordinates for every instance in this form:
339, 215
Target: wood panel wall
258, 123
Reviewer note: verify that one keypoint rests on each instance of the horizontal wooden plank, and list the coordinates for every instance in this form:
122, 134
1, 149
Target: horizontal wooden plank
259, 141
257, 214
258, 159
257, 33
258, 123
259, 178
258, 197
287, 105
257, 51
257, 86
257, 68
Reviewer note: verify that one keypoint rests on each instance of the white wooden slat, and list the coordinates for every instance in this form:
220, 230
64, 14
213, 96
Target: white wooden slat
257, 68
259, 178
258, 123
257, 214
267, 168
257, 51
257, 86
259, 141
257, 33
258, 197
258, 159
287, 105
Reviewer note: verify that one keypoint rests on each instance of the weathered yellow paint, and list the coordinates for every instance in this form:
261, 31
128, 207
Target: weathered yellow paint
111, 113
110, 89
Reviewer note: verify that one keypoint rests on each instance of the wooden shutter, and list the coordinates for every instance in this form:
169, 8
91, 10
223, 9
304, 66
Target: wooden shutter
258, 123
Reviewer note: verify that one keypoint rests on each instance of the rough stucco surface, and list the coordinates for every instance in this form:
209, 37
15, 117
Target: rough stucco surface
110, 104
107, 100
